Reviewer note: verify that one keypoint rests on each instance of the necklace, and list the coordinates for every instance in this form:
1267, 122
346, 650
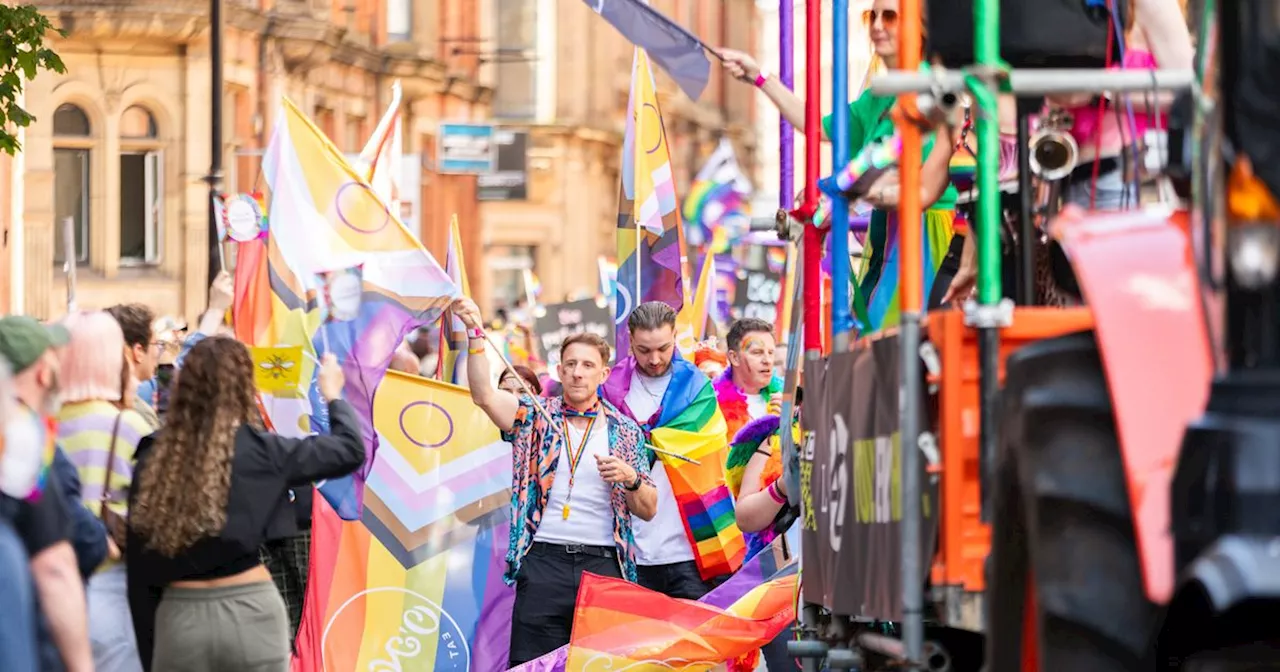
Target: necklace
656, 396
575, 456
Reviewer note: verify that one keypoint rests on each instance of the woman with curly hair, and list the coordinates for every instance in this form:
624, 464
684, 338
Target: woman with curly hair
209, 489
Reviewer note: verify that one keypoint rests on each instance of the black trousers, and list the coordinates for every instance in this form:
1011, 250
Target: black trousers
546, 590
678, 579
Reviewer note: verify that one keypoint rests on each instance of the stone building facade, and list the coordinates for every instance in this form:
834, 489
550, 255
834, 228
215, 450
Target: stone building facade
121, 145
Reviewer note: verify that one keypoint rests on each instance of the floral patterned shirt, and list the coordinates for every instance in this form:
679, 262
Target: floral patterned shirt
535, 454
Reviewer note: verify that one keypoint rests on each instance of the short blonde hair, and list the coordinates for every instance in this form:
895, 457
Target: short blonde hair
93, 361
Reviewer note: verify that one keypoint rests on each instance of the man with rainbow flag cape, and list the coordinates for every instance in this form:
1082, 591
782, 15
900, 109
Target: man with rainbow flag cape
694, 540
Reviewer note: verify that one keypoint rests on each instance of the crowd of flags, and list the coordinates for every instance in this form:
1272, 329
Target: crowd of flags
412, 545
418, 535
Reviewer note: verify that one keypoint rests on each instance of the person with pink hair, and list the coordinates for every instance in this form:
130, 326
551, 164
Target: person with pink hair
99, 431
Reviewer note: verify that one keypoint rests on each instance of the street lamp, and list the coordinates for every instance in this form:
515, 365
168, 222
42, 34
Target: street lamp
214, 178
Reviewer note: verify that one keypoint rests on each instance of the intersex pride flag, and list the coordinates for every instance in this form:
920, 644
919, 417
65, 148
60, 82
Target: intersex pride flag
619, 625
416, 584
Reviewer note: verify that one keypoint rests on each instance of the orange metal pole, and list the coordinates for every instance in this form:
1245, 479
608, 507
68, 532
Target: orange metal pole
910, 232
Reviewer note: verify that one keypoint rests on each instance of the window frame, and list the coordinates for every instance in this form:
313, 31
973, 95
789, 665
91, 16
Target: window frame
88, 144
152, 149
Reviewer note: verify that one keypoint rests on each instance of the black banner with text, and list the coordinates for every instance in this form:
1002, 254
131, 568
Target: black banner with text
564, 319
851, 484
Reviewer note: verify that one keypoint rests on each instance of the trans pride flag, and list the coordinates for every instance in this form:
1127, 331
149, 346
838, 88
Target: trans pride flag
689, 423
324, 216
416, 584
650, 239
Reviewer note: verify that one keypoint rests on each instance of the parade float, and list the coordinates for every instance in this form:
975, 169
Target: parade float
1011, 486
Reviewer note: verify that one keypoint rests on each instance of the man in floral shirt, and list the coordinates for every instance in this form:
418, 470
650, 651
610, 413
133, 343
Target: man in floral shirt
582, 467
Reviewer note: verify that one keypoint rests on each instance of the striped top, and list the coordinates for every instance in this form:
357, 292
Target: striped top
84, 432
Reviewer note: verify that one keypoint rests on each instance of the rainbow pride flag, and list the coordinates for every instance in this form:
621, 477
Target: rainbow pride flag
417, 582
753, 574
717, 209
650, 262
325, 216
619, 625
689, 423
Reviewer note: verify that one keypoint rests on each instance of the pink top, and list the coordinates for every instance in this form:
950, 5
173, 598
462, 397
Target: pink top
1086, 122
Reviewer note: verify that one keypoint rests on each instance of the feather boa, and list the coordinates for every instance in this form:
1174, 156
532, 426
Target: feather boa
733, 403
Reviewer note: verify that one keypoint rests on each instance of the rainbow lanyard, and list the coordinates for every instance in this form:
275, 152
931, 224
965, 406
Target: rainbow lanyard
575, 456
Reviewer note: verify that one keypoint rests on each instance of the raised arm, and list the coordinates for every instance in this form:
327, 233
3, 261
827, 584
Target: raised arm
500, 406
323, 456
743, 67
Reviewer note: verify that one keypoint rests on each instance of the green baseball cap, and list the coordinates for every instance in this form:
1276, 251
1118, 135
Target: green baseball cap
23, 340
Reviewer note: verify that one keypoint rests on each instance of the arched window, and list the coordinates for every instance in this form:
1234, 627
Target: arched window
141, 187
70, 121
72, 150
137, 122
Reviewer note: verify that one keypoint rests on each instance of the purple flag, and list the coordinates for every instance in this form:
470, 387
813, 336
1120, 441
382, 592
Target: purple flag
673, 48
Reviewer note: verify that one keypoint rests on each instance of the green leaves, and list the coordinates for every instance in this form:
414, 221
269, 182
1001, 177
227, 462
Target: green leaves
23, 55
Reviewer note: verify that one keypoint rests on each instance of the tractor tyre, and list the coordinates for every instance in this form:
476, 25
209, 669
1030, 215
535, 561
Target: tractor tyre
1243, 658
1063, 537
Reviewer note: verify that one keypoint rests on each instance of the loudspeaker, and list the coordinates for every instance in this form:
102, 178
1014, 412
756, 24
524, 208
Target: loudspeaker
1033, 33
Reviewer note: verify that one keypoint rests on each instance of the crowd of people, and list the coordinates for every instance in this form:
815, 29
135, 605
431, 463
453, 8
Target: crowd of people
149, 521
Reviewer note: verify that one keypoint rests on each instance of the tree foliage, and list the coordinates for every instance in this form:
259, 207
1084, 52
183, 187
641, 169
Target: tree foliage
23, 55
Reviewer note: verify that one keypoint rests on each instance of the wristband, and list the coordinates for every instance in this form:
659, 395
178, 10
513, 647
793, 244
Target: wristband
635, 485
475, 334
773, 492
762, 78
475, 351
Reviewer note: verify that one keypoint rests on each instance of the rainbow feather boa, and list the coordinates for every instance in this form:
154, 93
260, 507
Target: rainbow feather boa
733, 403
689, 423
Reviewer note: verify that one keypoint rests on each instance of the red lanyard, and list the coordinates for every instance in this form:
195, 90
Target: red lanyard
575, 457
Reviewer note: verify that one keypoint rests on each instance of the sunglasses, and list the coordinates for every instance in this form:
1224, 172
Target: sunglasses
888, 17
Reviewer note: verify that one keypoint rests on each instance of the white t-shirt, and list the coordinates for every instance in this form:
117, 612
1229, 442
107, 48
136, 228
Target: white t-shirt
661, 541
757, 406
590, 512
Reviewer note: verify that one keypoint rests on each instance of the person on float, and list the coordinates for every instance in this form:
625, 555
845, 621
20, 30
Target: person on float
570, 513
870, 122
645, 385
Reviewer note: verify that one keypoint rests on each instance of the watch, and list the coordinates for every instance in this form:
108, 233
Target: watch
635, 485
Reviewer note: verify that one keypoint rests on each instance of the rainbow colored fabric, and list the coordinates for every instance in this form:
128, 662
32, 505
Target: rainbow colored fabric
756, 572
733, 403
689, 423
762, 430
877, 302
417, 582
620, 626
324, 216
650, 267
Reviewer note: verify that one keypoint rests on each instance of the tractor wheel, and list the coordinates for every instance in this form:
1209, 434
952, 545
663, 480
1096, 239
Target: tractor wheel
1064, 570
1244, 658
